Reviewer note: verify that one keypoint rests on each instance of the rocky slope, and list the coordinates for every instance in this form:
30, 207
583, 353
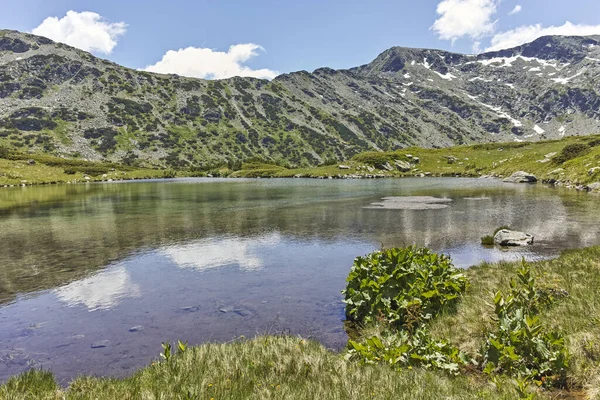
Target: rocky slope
55, 98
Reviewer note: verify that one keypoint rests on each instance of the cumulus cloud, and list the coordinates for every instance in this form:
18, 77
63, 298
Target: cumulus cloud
209, 64
459, 18
85, 30
526, 34
516, 10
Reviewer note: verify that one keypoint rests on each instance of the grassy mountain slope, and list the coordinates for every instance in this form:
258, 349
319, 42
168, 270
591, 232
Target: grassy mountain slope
60, 100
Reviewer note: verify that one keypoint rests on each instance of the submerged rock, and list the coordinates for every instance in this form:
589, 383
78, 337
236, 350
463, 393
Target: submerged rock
521, 177
506, 237
100, 344
411, 203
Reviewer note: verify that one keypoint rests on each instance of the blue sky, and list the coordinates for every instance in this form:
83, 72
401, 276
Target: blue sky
294, 35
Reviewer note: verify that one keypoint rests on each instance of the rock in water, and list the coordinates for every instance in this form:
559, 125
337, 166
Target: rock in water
100, 344
505, 237
521, 177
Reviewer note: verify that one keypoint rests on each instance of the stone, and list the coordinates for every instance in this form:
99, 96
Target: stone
521, 177
387, 167
594, 171
402, 166
343, 167
507, 237
30, 162
136, 328
451, 159
100, 344
594, 186
416, 160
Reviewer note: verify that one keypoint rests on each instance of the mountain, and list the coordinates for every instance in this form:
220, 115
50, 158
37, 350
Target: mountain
61, 100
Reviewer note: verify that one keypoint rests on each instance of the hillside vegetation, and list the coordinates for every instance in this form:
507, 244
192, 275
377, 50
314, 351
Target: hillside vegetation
63, 101
571, 161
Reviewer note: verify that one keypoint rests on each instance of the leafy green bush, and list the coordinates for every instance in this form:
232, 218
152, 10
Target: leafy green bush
487, 240
570, 152
403, 287
402, 349
521, 346
86, 170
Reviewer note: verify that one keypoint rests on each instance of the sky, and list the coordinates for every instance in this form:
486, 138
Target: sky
216, 39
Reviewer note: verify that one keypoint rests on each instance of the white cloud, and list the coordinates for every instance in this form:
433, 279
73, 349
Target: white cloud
101, 291
459, 18
246, 254
526, 34
516, 10
85, 30
209, 64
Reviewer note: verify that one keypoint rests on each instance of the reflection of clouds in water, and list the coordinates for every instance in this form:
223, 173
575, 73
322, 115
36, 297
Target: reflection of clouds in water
215, 253
101, 291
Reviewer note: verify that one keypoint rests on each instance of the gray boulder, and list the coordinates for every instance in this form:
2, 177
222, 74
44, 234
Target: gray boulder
594, 186
402, 166
506, 237
521, 177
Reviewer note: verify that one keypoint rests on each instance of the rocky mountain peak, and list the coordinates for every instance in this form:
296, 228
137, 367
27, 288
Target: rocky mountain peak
61, 100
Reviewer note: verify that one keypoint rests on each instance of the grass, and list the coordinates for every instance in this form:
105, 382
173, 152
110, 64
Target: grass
577, 316
292, 368
263, 368
555, 161
496, 159
17, 170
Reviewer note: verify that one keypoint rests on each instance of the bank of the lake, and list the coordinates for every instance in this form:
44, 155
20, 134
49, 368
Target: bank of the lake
572, 162
291, 367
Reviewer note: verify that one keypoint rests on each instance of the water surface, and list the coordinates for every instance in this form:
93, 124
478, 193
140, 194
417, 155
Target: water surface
94, 277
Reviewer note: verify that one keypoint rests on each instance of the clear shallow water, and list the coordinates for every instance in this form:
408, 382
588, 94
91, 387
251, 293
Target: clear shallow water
210, 260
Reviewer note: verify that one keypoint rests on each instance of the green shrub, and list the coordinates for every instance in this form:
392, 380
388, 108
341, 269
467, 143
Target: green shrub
487, 240
521, 346
402, 349
86, 170
570, 152
501, 228
3, 151
403, 287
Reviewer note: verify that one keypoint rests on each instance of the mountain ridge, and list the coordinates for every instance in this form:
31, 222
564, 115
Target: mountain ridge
58, 99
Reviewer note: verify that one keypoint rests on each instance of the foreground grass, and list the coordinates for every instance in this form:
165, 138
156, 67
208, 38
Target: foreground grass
577, 316
292, 368
263, 368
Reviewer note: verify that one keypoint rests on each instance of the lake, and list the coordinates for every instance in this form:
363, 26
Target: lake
94, 277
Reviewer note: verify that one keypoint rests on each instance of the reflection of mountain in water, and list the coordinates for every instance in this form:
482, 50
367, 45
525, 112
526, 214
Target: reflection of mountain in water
101, 291
52, 242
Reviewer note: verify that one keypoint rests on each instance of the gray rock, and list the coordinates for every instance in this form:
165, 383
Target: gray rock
343, 167
594, 170
402, 166
521, 177
100, 344
387, 167
506, 237
594, 186
136, 328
